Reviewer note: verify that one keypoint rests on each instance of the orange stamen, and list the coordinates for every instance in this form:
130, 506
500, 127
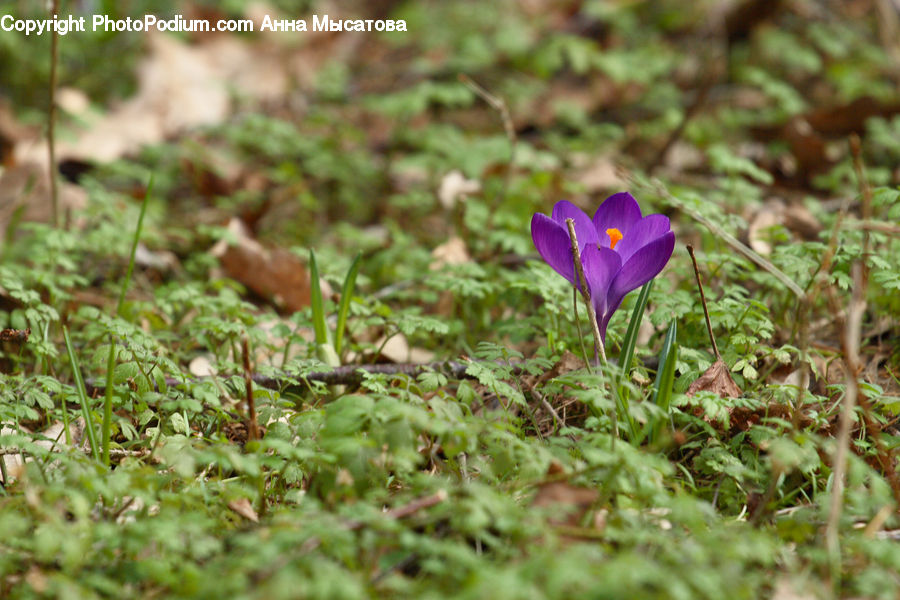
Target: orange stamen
614, 236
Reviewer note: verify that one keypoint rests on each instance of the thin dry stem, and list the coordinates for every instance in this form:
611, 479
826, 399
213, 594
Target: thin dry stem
51, 121
709, 330
866, 193
850, 342
499, 105
253, 432
407, 510
585, 292
400, 512
578, 327
730, 240
851, 334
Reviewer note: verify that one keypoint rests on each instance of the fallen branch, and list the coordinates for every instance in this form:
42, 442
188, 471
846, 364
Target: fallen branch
345, 375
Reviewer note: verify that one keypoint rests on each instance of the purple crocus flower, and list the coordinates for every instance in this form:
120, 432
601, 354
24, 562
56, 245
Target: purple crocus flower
621, 250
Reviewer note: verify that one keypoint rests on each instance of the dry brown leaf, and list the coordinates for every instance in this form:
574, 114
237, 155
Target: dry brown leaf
571, 502
26, 185
769, 215
273, 273
717, 379
243, 507
180, 86
801, 221
11, 133
398, 350
201, 366
597, 174
73, 100
455, 187
162, 260
51, 437
451, 252
785, 589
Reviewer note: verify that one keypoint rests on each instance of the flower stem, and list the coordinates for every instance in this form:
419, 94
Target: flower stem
582, 280
587, 361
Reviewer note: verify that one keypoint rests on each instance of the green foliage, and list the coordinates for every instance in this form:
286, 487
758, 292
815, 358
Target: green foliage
436, 484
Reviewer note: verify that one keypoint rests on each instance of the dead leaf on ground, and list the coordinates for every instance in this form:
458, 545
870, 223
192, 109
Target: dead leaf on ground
53, 437
717, 379
273, 273
398, 350
11, 133
455, 187
25, 194
785, 589
180, 86
451, 252
817, 139
597, 174
795, 217
758, 232
569, 503
163, 261
201, 366
243, 507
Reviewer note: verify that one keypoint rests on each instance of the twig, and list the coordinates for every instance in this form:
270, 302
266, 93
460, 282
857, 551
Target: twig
499, 105
578, 327
51, 120
709, 330
253, 429
557, 420
401, 512
850, 342
730, 240
407, 510
888, 28
876, 226
762, 506
585, 292
248, 382
886, 456
113, 452
345, 375
866, 192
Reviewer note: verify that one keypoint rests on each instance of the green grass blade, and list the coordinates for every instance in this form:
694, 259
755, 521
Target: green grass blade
668, 344
111, 360
316, 302
624, 412
344, 307
665, 376
134, 245
82, 397
628, 343
625, 358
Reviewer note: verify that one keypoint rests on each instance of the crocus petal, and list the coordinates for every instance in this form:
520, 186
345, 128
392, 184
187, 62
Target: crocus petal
644, 265
584, 229
600, 267
552, 242
642, 233
619, 211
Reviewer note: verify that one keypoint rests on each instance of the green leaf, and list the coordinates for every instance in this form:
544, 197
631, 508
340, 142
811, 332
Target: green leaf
82, 397
628, 343
344, 307
665, 376
316, 302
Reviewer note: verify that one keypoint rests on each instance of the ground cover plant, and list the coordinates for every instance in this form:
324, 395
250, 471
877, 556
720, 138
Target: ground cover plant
298, 315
